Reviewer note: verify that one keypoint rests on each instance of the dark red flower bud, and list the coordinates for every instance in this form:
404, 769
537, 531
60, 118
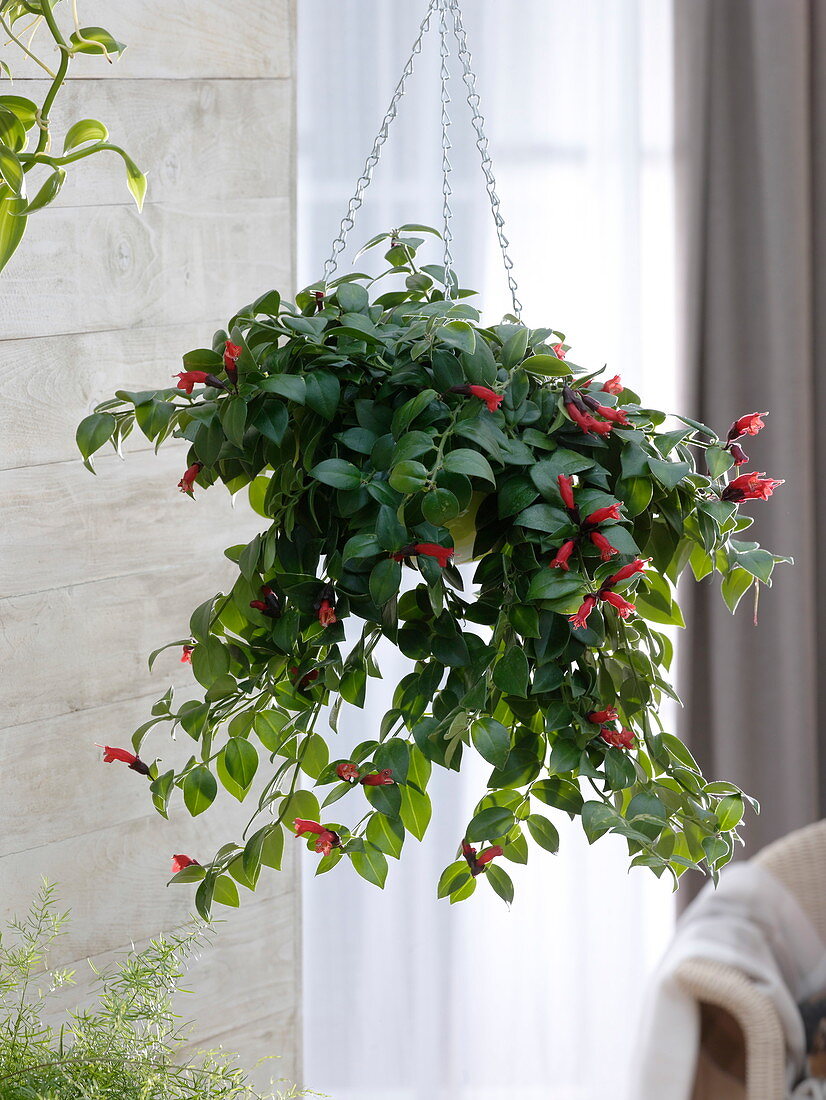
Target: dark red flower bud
750, 487
442, 554
125, 757
186, 654
750, 424
566, 491
607, 551
623, 607
270, 605
738, 454
617, 416
348, 772
558, 350
188, 480
602, 515
180, 862
379, 779
491, 399
579, 621
598, 717
327, 839
613, 385
618, 739
319, 300
477, 863
560, 561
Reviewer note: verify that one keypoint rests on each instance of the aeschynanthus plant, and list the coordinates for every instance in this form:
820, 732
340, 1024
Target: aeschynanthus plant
387, 439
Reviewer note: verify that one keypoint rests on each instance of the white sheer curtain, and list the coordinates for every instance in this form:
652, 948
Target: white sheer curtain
407, 998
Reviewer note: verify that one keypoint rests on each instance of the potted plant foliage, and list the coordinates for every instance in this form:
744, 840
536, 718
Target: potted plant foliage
382, 437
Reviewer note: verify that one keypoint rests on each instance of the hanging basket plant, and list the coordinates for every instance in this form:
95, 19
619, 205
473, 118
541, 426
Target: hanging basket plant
382, 440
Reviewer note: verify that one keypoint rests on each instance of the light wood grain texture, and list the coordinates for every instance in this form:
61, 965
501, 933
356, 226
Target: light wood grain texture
72, 528
204, 138
48, 384
187, 40
109, 267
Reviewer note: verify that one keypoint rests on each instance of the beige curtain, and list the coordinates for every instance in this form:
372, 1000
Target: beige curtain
751, 147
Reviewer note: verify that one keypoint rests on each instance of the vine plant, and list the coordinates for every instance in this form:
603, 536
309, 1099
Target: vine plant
381, 441
25, 126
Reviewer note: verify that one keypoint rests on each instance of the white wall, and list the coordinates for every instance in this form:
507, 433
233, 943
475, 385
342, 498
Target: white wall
97, 572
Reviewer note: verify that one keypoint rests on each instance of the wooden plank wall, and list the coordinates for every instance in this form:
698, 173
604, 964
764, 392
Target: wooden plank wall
95, 572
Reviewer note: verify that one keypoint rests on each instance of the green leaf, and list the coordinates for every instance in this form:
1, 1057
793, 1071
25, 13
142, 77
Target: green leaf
492, 740
471, 463
226, 892
548, 365
718, 460
597, 818
385, 834
555, 584
543, 517
735, 585
452, 878
352, 298
440, 506
387, 800
95, 40
200, 788
338, 473
458, 334
669, 474
416, 811
490, 824
92, 432
560, 793
48, 191
210, 661
510, 674
501, 882
408, 476
730, 812
323, 392
513, 351
371, 864
291, 386
385, 580
233, 414
135, 181
86, 129
241, 761
543, 832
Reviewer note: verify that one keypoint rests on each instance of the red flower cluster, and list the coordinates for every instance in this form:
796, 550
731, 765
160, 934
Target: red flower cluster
750, 424
749, 487
186, 654
587, 527
270, 605
232, 353
110, 755
442, 554
325, 606
383, 778
348, 772
599, 717
558, 350
606, 593
327, 839
477, 863
188, 480
581, 407
617, 738
613, 385
180, 862
189, 378
491, 399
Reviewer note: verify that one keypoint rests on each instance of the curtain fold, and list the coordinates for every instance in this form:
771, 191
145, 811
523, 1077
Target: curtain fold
750, 96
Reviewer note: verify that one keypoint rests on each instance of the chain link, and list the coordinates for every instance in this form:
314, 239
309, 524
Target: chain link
478, 120
348, 221
447, 190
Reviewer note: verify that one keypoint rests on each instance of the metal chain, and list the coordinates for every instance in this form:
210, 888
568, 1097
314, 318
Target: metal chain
469, 78
447, 190
348, 221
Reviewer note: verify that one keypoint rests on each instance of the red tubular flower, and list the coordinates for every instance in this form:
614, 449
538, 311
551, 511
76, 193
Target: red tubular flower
189, 378
188, 480
378, 779
442, 554
325, 606
327, 839
623, 607
348, 772
566, 491
180, 862
598, 717
125, 757
563, 554
606, 550
270, 605
629, 570
613, 385
186, 654
749, 487
488, 855
491, 399
618, 739
750, 424
602, 515
558, 350
616, 416
580, 620
587, 422
738, 454
232, 353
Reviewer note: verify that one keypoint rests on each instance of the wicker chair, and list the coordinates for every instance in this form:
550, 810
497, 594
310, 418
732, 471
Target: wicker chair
743, 1054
